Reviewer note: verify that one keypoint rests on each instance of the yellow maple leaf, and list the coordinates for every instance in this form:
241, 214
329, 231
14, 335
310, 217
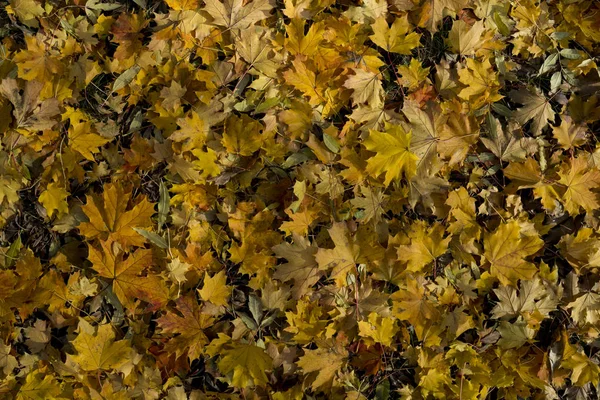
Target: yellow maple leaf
98, 350
343, 258
110, 219
413, 74
215, 289
584, 370
84, 141
482, 83
36, 62
192, 132
506, 249
242, 135
39, 385
301, 266
378, 329
395, 39
54, 199
569, 134
457, 136
26, 10
412, 304
246, 364
324, 363
183, 4
579, 179
125, 275
367, 88
464, 39
393, 157
303, 78
426, 246
237, 13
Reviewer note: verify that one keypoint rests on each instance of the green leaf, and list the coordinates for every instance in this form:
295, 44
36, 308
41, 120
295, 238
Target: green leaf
153, 238
126, 78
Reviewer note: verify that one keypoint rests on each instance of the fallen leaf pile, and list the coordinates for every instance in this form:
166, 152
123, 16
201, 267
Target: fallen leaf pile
299, 199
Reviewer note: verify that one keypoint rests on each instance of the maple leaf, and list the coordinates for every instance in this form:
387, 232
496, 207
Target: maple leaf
189, 323
27, 11
97, 348
535, 107
236, 13
456, 137
413, 75
30, 112
584, 370
177, 270
192, 131
84, 141
465, 40
305, 323
254, 127
425, 127
366, 86
585, 308
36, 62
215, 290
434, 11
506, 249
373, 203
311, 84
183, 4
379, 329
109, 217
343, 258
529, 175
514, 334
394, 39
504, 145
7, 361
302, 267
256, 50
531, 297
393, 154
482, 83
568, 134
54, 199
39, 386
242, 135
125, 275
426, 246
412, 304
246, 363
324, 362
579, 180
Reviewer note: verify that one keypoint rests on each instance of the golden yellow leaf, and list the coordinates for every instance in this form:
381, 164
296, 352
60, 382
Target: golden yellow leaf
394, 39
246, 364
325, 363
393, 156
378, 329
506, 249
579, 179
84, 141
125, 275
54, 199
215, 289
242, 135
98, 350
36, 62
110, 219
